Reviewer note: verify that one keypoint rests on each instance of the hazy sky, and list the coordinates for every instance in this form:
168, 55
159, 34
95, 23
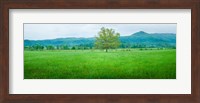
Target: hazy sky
52, 31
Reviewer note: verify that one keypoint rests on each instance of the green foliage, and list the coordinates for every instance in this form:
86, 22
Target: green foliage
50, 47
65, 47
73, 48
34, 47
107, 39
96, 64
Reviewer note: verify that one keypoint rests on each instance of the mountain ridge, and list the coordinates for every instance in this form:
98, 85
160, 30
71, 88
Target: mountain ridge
139, 38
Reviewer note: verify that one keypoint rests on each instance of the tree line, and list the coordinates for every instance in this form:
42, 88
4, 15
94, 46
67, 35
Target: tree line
87, 47
58, 47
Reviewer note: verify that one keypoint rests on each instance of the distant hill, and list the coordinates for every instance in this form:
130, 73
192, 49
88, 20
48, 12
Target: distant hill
150, 40
60, 41
138, 39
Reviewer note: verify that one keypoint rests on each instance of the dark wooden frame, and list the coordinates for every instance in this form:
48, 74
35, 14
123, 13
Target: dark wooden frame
5, 5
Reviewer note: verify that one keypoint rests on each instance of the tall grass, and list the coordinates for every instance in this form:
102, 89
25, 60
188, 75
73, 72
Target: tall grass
96, 64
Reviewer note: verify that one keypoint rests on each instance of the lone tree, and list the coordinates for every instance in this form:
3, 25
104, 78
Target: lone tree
107, 39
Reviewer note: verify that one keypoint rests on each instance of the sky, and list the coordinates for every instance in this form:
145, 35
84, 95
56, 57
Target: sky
52, 31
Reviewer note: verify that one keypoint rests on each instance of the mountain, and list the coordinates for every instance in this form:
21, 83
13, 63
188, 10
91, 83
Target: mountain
60, 41
140, 38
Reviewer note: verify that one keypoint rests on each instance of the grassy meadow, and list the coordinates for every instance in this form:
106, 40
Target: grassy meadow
97, 64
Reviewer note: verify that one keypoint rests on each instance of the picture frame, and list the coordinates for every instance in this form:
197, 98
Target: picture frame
194, 5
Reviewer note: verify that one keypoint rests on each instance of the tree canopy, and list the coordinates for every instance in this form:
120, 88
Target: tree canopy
107, 39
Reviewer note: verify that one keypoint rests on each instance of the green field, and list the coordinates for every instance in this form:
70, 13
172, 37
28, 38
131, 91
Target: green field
96, 64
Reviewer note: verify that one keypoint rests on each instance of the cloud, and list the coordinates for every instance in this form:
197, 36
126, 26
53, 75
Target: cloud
51, 31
